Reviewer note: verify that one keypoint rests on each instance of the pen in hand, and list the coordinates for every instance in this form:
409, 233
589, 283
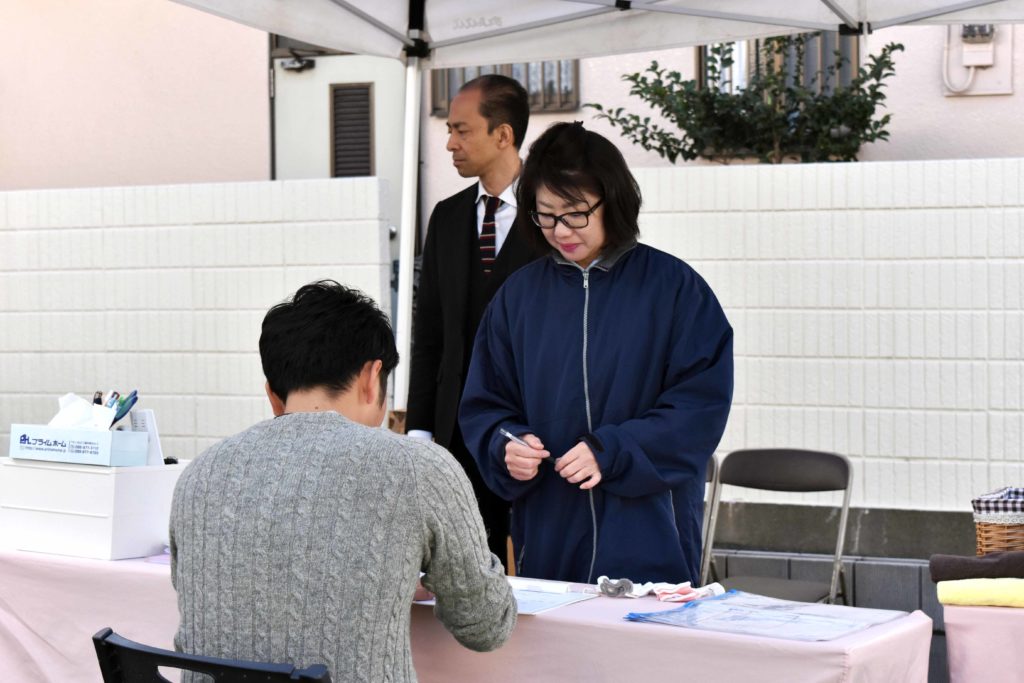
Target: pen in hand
515, 439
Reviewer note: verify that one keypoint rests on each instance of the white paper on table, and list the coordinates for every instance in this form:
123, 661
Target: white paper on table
535, 602
145, 421
534, 596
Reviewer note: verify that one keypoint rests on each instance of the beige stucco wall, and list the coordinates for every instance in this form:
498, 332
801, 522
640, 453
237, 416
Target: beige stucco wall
926, 123
129, 92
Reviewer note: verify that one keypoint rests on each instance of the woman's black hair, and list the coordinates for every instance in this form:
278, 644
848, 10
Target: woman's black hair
568, 159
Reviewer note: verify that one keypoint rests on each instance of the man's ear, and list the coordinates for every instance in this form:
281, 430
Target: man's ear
506, 138
369, 382
276, 404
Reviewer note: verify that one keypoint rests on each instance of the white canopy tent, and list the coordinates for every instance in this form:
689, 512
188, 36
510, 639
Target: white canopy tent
429, 34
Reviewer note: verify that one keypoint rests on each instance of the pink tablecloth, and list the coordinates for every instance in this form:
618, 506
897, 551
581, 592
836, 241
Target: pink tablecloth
50, 606
984, 643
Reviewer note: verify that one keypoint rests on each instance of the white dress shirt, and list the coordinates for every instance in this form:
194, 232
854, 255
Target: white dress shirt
504, 217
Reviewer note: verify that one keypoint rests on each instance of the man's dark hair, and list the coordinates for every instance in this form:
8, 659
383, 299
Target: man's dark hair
502, 100
322, 337
568, 159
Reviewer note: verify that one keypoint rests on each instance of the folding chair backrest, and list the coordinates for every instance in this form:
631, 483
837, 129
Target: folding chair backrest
784, 469
125, 661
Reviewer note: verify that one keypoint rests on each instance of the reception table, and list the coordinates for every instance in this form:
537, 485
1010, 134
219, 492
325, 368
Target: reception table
984, 643
50, 606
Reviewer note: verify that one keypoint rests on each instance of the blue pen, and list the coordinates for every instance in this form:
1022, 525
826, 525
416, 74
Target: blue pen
123, 408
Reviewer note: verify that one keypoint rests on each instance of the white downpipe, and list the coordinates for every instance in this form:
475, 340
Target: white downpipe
407, 235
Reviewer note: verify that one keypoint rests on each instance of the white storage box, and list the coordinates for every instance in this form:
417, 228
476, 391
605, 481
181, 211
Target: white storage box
106, 513
83, 446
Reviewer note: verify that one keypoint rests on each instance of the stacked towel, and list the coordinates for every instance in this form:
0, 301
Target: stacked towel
983, 592
999, 565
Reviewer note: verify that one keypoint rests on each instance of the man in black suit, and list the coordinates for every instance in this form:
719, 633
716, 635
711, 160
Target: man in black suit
470, 249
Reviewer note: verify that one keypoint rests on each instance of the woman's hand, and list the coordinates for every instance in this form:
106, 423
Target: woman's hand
579, 464
523, 462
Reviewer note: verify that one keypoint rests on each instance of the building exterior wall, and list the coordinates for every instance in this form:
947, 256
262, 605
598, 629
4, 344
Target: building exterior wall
926, 123
129, 92
302, 118
929, 124
163, 289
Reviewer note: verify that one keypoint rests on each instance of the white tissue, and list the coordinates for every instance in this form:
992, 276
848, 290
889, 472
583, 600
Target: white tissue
78, 413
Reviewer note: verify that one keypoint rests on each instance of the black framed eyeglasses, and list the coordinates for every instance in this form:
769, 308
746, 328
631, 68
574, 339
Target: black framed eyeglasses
575, 220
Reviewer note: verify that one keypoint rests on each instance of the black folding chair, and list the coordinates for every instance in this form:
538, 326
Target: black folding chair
125, 661
786, 469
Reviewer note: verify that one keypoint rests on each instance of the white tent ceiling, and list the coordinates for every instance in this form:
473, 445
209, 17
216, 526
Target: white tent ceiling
445, 33
468, 32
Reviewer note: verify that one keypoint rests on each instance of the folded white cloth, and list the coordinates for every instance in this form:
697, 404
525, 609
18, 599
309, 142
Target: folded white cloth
666, 592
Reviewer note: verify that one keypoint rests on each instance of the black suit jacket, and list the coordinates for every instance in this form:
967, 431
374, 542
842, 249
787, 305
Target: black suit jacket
442, 342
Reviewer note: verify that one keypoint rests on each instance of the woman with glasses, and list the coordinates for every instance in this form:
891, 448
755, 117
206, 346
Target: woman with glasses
601, 379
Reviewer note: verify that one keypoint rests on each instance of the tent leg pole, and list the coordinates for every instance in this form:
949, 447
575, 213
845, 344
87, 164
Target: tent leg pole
407, 236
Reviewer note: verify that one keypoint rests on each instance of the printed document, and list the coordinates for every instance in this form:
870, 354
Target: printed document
756, 615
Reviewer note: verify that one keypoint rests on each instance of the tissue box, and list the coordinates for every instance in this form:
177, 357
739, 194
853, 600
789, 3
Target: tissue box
106, 513
82, 446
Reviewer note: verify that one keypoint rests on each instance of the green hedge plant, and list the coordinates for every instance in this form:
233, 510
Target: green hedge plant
779, 116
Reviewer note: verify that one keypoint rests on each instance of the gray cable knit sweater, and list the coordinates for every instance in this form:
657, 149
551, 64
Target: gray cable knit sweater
301, 539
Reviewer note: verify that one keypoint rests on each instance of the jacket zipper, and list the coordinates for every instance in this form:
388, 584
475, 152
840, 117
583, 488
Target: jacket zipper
590, 425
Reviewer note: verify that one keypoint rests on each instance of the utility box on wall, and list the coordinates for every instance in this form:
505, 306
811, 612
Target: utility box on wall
986, 48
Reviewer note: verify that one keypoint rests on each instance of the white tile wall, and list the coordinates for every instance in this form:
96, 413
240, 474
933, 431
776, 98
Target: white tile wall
164, 288
877, 310
877, 306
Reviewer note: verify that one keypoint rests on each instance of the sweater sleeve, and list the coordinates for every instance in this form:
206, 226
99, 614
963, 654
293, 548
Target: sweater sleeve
474, 599
674, 439
493, 399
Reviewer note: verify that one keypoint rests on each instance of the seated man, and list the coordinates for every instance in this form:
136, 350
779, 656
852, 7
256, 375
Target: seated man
301, 539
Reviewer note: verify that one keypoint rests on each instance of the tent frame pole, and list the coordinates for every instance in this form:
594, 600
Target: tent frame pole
407, 234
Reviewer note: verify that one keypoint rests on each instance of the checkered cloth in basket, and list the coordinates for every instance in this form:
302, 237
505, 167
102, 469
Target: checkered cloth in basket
1005, 506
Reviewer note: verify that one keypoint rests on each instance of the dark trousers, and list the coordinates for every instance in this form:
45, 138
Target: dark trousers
493, 508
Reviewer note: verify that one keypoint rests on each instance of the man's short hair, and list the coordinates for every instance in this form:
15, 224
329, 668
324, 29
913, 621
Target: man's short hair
502, 100
322, 337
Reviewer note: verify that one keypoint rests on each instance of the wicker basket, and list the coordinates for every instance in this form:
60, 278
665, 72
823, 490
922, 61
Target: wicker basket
999, 520
994, 537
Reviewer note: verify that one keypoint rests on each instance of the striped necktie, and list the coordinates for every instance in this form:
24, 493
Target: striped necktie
486, 241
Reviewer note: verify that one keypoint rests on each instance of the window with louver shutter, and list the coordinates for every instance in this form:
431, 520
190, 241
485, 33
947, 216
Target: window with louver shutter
351, 130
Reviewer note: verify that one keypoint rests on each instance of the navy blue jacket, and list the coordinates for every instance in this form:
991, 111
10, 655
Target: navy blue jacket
657, 384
